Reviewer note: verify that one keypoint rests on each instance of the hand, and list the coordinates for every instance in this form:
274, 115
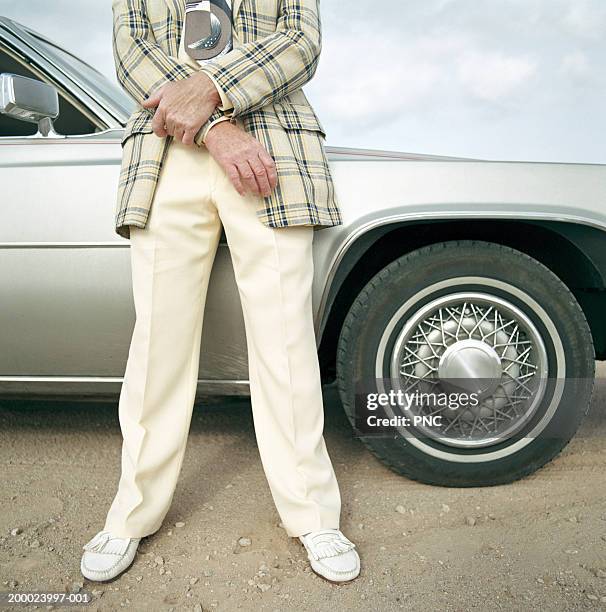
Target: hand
182, 107
246, 162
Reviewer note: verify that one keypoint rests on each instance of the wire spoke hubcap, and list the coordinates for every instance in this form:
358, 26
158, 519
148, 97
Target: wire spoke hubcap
471, 343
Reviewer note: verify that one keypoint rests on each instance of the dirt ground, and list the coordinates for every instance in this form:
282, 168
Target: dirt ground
536, 544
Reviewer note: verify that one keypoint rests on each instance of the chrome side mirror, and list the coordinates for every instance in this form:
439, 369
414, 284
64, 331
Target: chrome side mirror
29, 100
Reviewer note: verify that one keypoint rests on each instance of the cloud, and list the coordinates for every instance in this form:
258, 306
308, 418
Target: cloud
494, 76
394, 75
371, 86
498, 79
586, 18
576, 65
505, 78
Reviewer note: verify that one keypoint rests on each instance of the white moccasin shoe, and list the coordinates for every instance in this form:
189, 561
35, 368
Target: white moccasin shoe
106, 556
332, 555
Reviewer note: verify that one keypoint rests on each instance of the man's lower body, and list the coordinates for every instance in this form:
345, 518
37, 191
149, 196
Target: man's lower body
171, 264
171, 261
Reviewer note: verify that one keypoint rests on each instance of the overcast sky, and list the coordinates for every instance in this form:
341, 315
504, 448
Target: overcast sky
499, 79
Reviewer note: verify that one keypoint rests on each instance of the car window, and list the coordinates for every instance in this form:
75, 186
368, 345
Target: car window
71, 121
87, 75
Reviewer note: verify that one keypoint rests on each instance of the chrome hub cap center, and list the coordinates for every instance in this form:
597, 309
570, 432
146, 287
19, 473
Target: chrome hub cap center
470, 366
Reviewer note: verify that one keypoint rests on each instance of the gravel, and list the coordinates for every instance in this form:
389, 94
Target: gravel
535, 544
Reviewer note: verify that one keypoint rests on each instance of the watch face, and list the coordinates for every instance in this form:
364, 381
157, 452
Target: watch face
208, 29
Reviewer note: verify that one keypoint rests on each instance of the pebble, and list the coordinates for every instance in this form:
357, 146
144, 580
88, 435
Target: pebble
207, 573
179, 524
198, 608
159, 560
76, 587
244, 542
445, 508
34, 544
469, 520
592, 597
571, 551
193, 581
401, 509
16, 531
13, 583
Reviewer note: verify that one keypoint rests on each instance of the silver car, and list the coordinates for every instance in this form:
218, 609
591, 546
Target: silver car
449, 277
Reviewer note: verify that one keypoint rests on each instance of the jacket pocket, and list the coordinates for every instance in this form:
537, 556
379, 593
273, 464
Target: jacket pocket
298, 117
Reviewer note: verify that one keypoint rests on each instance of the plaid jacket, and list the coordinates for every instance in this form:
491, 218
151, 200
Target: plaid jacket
276, 50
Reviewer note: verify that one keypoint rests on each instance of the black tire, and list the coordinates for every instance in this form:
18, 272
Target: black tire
428, 275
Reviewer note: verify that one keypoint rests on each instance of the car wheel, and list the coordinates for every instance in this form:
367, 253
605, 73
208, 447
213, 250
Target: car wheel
493, 313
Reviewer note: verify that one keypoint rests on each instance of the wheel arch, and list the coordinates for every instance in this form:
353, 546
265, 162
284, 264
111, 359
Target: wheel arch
575, 252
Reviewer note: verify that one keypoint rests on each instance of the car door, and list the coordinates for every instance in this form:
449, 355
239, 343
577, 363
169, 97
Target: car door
53, 206
67, 316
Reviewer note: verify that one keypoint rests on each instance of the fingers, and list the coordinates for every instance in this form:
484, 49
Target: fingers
234, 176
153, 100
158, 123
248, 165
247, 176
270, 167
257, 174
184, 132
169, 124
178, 133
261, 177
189, 135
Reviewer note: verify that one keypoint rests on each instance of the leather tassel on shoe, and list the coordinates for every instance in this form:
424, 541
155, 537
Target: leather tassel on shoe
106, 542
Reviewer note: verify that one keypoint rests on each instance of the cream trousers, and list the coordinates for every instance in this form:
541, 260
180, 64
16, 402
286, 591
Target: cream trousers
171, 262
